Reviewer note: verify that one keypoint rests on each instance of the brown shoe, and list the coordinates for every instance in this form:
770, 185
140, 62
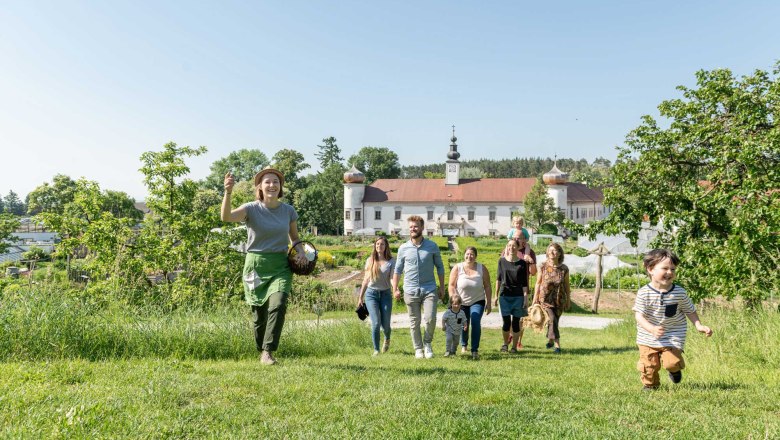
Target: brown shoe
266, 358
386, 346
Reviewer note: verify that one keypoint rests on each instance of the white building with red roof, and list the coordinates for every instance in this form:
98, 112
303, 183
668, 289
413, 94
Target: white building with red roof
457, 207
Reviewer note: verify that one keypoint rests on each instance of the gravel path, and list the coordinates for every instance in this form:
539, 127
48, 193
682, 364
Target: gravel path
493, 320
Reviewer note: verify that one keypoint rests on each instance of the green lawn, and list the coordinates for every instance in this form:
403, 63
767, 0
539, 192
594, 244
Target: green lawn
121, 380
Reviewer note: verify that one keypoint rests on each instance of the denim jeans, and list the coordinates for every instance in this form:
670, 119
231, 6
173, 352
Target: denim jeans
474, 318
380, 307
422, 309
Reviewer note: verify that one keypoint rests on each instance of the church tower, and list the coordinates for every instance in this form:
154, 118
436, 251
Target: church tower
453, 166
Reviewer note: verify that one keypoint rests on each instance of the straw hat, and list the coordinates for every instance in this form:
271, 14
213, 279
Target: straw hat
537, 318
266, 170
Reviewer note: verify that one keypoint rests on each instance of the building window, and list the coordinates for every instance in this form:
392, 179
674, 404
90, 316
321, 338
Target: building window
471, 216
430, 232
471, 233
430, 215
349, 232
357, 215
398, 215
492, 232
450, 215
378, 214
346, 214
492, 216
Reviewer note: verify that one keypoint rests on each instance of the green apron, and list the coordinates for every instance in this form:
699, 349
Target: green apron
265, 273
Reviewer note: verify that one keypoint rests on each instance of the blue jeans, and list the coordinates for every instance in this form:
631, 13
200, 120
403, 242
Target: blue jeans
380, 307
474, 318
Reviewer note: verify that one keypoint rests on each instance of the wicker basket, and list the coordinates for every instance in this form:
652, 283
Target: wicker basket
311, 258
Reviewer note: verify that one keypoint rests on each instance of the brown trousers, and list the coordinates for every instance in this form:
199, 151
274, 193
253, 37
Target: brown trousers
650, 360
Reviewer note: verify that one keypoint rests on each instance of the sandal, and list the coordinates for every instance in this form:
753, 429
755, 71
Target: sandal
504, 348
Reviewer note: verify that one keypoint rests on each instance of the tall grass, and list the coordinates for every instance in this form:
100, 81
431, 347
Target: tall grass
40, 324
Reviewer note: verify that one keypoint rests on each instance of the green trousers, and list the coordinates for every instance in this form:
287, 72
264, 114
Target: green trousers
268, 321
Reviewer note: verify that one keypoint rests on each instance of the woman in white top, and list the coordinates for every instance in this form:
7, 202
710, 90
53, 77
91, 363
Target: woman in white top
376, 293
471, 280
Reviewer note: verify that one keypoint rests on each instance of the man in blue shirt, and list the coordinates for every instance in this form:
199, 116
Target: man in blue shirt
416, 259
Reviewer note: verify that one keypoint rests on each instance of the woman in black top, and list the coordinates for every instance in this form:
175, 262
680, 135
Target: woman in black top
511, 292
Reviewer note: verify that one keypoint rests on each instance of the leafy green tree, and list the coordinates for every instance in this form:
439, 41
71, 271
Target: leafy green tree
121, 205
329, 153
321, 203
709, 177
472, 173
12, 204
376, 163
291, 163
540, 207
8, 225
244, 163
51, 197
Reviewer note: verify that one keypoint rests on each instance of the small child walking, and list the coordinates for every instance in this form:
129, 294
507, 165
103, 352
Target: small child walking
453, 323
660, 310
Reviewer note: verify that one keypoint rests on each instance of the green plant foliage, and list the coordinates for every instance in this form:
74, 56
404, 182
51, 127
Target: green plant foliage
709, 178
540, 207
376, 163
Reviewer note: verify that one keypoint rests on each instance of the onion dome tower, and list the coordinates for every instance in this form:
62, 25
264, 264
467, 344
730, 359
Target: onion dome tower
452, 171
556, 181
354, 190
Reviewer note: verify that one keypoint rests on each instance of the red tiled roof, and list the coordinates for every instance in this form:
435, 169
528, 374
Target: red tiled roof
509, 190
579, 192
434, 190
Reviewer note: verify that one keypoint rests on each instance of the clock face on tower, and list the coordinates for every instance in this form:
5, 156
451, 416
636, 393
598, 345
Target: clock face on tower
452, 167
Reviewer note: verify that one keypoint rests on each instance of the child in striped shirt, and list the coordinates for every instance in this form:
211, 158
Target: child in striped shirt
660, 310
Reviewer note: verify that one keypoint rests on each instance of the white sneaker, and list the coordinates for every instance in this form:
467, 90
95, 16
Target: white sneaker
446, 354
428, 351
376, 353
418, 353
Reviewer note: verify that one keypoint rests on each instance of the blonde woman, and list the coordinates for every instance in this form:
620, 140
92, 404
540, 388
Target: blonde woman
553, 292
511, 293
376, 292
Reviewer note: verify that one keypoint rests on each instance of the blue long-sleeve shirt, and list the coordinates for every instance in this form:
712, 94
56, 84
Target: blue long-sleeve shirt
416, 263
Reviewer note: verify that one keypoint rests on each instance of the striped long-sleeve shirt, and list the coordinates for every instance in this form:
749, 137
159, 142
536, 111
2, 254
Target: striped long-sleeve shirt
667, 309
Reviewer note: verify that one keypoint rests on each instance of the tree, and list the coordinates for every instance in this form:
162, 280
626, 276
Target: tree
540, 207
329, 154
51, 198
376, 163
120, 205
321, 203
12, 204
8, 225
290, 163
244, 163
710, 179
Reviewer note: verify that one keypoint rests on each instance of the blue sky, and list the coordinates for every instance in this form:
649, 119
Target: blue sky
86, 87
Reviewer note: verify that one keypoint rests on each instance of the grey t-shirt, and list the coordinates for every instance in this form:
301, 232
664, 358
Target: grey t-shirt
267, 229
385, 273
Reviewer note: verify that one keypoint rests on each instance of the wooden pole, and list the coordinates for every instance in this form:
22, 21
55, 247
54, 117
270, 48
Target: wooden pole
600, 251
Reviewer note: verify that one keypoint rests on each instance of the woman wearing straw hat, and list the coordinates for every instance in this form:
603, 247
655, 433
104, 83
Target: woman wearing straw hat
553, 292
267, 276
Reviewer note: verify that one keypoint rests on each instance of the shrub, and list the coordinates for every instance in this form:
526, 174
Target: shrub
548, 229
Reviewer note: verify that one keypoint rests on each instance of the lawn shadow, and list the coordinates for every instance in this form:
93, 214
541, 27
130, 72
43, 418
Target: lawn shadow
412, 371
716, 385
